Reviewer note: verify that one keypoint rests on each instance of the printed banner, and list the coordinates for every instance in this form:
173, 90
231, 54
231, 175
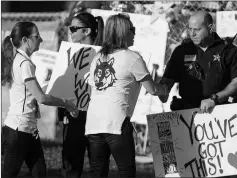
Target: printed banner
187, 143
44, 61
68, 78
226, 23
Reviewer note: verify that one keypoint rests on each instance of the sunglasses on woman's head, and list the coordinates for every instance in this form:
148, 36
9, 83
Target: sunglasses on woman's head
73, 29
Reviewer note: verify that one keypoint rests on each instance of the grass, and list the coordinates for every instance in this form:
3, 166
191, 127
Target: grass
52, 152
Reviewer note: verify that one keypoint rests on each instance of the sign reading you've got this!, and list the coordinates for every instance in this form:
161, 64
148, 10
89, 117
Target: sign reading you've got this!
187, 143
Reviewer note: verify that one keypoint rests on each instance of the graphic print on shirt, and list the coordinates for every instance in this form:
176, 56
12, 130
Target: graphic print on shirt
104, 74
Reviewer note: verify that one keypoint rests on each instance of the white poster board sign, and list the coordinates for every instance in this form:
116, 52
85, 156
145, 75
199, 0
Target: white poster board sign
73, 64
190, 144
226, 23
44, 61
67, 80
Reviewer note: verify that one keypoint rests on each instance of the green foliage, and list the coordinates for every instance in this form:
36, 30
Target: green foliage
127, 6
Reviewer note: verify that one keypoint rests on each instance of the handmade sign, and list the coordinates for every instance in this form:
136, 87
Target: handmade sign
190, 144
226, 23
67, 79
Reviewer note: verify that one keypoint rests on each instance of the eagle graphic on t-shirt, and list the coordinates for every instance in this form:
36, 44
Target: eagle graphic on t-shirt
104, 74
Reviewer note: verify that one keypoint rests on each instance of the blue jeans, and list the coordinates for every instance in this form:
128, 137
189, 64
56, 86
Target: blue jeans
121, 147
20, 147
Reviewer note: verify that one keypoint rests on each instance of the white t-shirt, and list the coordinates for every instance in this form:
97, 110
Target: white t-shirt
23, 111
114, 92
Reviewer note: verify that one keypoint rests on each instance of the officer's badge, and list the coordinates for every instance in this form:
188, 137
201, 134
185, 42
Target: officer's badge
190, 58
216, 57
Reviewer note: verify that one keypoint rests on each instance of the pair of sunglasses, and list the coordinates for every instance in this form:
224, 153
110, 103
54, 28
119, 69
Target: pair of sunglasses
73, 29
133, 29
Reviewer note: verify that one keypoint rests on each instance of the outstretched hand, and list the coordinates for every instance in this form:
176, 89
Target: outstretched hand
71, 107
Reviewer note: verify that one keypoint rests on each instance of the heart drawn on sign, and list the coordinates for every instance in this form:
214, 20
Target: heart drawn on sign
232, 159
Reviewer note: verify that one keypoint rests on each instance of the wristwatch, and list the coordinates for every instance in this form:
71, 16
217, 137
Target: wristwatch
214, 97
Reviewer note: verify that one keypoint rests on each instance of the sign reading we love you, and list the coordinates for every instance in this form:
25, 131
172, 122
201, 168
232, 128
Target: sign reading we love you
190, 144
67, 80
69, 76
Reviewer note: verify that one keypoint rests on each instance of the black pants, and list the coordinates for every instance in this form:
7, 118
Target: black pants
74, 145
122, 148
20, 147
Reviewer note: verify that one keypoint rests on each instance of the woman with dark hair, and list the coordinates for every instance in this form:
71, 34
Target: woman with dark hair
84, 29
116, 76
21, 139
87, 29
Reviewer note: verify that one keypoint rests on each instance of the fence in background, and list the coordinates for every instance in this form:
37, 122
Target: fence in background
175, 12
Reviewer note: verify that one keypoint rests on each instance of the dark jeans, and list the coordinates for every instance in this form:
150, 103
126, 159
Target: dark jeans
74, 145
19, 147
122, 148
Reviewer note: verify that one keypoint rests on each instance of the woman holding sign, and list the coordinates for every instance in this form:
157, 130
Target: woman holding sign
116, 76
84, 29
22, 142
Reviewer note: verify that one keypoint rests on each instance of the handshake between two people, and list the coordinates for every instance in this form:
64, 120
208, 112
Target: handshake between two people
71, 107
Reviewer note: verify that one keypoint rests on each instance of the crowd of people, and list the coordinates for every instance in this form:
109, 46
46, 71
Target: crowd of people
204, 65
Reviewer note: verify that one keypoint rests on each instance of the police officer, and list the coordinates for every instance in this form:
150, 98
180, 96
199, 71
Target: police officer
204, 66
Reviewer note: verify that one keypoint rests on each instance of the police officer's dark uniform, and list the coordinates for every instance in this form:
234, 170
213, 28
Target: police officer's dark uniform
201, 74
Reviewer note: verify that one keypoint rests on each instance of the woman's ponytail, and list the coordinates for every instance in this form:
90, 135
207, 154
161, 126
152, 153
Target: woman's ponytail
8, 55
100, 31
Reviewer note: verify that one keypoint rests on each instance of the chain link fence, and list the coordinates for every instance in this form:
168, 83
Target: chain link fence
175, 12
178, 14
51, 26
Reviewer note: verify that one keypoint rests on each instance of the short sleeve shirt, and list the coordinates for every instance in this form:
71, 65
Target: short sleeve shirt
23, 111
115, 89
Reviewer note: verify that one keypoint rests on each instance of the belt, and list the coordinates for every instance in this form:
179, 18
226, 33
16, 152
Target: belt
33, 131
